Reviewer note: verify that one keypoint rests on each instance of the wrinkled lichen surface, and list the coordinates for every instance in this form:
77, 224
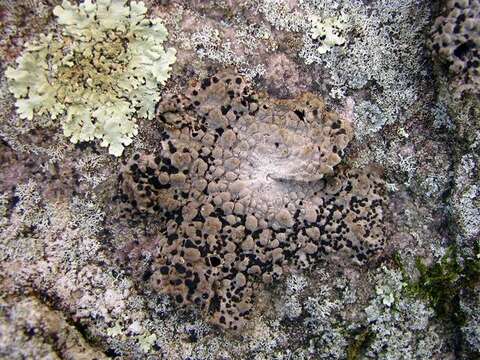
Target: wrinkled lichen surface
93, 265
456, 39
248, 187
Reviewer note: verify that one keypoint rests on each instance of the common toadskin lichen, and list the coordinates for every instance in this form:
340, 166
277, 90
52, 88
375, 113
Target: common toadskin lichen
248, 187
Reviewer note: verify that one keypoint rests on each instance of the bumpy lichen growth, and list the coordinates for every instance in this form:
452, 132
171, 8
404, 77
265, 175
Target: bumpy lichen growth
99, 75
456, 40
248, 188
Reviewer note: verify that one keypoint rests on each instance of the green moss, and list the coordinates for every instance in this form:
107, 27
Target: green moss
444, 282
359, 344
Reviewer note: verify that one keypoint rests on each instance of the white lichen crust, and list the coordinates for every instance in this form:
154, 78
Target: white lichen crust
327, 32
248, 187
99, 75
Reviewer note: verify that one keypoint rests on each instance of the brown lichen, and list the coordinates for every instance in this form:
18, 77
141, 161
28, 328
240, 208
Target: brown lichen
456, 40
248, 187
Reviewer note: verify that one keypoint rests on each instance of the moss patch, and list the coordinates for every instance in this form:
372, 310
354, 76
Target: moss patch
359, 344
443, 283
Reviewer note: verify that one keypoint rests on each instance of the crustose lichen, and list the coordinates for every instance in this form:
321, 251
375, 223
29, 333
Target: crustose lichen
99, 75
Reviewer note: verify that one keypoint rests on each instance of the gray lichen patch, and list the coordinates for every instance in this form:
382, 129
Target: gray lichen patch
40, 333
248, 187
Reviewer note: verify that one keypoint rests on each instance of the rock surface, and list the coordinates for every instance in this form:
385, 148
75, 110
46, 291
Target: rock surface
93, 265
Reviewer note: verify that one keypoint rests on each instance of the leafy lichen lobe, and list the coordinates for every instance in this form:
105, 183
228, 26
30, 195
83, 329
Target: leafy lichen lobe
99, 75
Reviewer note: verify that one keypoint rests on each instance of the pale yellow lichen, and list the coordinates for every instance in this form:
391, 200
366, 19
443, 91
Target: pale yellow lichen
99, 75
328, 32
